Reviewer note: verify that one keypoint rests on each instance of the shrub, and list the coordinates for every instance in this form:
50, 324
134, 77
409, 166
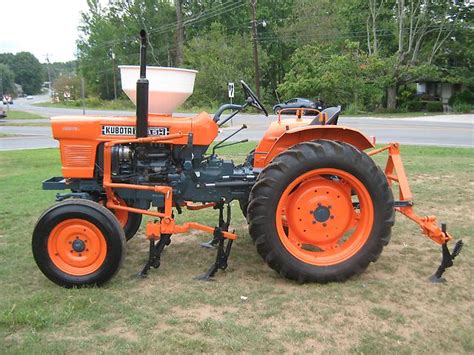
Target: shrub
414, 106
461, 97
434, 106
462, 107
352, 109
406, 94
93, 102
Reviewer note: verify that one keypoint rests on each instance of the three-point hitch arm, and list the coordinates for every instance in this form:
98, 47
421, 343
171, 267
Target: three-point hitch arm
395, 172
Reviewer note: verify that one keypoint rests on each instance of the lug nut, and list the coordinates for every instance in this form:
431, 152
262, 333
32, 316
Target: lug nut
324, 224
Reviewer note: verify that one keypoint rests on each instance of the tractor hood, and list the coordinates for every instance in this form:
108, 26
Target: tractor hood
80, 136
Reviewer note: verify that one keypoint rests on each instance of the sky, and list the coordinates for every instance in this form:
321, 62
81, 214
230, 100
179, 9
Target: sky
41, 27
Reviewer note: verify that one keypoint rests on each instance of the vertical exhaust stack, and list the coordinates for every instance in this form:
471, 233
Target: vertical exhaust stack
142, 91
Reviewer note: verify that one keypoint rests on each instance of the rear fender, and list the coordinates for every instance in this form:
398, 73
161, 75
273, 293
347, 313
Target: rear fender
297, 135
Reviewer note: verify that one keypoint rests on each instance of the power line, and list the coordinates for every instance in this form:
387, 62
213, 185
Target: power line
225, 8
359, 35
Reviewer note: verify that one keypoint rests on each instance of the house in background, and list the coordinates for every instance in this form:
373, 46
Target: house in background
438, 91
19, 90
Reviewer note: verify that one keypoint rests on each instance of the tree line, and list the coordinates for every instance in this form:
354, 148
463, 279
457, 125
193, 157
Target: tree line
22, 68
362, 54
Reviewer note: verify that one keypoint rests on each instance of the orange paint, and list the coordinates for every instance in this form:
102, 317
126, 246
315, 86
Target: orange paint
154, 230
284, 134
79, 136
395, 172
167, 223
70, 261
316, 221
122, 216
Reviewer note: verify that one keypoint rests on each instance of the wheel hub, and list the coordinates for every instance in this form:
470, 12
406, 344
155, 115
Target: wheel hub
78, 245
322, 213
319, 212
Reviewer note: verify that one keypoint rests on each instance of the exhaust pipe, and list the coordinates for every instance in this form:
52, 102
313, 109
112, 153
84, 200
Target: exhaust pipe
142, 91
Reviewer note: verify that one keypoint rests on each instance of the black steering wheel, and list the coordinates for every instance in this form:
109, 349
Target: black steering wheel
255, 102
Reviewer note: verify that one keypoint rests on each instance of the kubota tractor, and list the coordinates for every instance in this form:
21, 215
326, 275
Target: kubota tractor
319, 209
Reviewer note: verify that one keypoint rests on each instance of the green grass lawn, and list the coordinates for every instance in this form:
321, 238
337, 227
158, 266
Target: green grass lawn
395, 114
391, 308
18, 115
121, 105
125, 105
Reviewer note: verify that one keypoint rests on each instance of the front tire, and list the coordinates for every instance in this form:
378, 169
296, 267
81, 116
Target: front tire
78, 243
321, 212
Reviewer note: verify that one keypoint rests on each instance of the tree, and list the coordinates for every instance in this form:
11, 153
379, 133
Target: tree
179, 32
339, 76
422, 27
113, 30
230, 60
7, 82
67, 87
57, 69
27, 70
397, 42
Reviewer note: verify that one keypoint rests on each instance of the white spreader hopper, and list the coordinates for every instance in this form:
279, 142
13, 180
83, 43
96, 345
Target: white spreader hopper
168, 87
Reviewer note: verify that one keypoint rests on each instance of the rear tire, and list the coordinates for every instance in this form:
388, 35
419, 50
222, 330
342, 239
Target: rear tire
297, 231
78, 243
134, 221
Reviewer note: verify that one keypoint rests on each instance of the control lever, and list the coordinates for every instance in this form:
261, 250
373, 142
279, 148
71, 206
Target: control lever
220, 144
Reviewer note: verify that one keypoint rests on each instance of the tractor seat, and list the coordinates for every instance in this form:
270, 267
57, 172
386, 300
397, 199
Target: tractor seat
333, 116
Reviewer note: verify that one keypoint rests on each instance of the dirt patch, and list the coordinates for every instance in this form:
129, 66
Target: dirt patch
203, 312
123, 332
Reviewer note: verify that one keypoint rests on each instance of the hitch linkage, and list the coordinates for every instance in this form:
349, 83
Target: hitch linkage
218, 240
447, 260
223, 226
154, 255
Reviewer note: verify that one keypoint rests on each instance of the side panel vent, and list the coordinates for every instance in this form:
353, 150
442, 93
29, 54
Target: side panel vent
78, 155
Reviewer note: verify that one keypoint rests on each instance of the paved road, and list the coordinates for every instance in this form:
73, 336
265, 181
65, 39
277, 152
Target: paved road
443, 130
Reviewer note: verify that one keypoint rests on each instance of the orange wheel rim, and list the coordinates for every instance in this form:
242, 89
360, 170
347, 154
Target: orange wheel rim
325, 216
77, 247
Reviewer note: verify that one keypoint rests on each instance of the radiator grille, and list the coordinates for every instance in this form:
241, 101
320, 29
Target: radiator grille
77, 155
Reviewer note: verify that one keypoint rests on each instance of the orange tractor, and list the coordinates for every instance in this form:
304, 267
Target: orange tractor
319, 209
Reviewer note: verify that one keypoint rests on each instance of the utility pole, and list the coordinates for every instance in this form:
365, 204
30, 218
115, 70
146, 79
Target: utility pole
255, 49
83, 96
49, 73
112, 54
178, 4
